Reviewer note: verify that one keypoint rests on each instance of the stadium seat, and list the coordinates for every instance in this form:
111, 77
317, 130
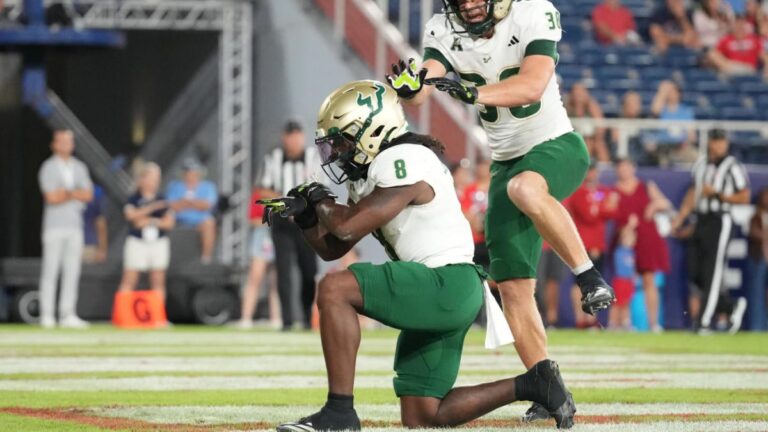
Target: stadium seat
617, 72
753, 87
739, 113
711, 86
723, 100
621, 84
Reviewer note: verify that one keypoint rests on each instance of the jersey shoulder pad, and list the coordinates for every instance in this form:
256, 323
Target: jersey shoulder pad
437, 32
402, 165
529, 12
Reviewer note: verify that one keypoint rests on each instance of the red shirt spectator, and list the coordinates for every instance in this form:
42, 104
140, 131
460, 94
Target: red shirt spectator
746, 49
474, 201
590, 212
256, 211
612, 22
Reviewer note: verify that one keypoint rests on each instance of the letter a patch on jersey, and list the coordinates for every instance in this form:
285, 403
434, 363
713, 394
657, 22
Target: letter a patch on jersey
457, 45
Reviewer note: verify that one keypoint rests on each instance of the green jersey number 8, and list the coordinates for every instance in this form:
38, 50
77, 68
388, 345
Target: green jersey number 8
490, 114
400, 171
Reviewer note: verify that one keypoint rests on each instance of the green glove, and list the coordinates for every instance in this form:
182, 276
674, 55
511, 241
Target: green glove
457, 90
406, 80
283, 207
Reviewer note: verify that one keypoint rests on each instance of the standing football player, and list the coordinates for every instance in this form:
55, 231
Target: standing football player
400, 192
504, 54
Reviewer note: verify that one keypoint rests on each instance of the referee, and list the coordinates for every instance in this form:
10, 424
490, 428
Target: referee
286, 167
719, 182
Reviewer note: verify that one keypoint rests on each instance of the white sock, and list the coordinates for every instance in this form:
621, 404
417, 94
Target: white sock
579, 269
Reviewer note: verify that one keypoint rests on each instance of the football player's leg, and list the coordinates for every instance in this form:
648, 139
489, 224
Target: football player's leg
551, 172
515, 249
427, 364
530, 193
339, 300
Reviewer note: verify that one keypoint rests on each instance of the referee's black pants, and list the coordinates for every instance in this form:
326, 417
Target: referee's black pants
707, 263
290, 243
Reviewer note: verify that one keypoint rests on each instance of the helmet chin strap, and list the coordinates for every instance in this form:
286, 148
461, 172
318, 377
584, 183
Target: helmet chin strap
353, 170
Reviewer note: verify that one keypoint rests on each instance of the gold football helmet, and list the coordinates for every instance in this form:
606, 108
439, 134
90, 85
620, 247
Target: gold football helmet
354, 124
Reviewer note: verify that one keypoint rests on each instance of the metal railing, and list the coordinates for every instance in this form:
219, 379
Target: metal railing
628, 128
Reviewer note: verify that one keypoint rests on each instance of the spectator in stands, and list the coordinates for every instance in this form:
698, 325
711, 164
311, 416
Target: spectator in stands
614, 24
632, 105
95, 228
193, 200
671, 25
643, 201
149, 217
711, 20
591, 206
286, 167
739, 52
758, 262
474, 204
579, 103
632, 108
673, 143
4, 19
757, 17
624, 273
262, 255
66, 187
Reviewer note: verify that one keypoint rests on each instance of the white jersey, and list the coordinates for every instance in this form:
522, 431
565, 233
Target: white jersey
532, 27
434, 234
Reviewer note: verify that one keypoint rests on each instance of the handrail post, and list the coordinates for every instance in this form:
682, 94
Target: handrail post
339, 15
404, 18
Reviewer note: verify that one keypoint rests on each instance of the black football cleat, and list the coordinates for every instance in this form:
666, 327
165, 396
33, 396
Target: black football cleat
596, 294
551, 393
535, 412
538, 412
327, 419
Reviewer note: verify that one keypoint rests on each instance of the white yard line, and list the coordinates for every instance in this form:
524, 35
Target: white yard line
314, 363
241, 414
724, 380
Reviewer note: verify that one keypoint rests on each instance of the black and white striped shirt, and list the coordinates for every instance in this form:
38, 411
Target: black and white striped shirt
282, 175
727, 177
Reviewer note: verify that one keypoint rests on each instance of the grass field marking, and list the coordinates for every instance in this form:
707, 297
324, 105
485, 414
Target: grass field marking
291, 397
297, 380
578, 341
21, 376
237, 414
588, 422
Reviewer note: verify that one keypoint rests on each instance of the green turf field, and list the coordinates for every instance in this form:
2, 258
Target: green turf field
217, 379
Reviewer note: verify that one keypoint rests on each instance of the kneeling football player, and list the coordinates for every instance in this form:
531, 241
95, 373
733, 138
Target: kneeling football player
400, 192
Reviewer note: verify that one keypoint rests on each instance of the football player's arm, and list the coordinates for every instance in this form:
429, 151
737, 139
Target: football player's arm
352, 223
525, 88
327, 245
435, 69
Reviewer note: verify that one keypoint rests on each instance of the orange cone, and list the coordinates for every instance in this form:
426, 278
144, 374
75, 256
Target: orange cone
139, 309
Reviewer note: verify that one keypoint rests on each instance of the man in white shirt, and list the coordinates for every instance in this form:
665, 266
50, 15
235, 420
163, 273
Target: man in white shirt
66, 188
